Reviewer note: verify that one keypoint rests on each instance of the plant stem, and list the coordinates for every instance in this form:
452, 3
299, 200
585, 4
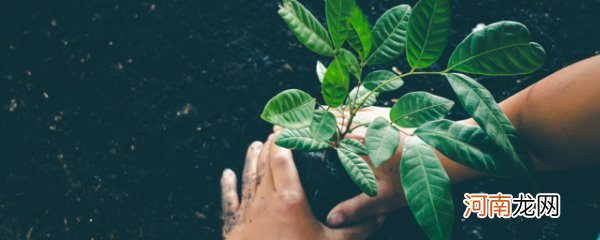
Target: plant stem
353, 111
400, 129
412, 72
352, 106
425, 73
343, 116
354, 128
323, 107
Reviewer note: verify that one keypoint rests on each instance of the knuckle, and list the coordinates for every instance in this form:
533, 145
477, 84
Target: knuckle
249, 178
249, 173
289, 199
279, 159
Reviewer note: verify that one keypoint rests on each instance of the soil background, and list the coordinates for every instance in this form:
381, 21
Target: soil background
118, 117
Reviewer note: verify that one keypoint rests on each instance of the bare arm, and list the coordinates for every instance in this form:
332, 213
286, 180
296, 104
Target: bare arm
558, 118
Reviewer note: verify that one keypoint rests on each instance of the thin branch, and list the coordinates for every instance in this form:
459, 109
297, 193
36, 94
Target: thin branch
358, 126
412, 72
401, 130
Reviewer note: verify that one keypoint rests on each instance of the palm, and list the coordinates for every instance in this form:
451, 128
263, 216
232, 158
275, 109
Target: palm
389, 196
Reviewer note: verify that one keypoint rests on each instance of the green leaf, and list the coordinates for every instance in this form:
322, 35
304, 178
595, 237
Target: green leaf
359, 35
291, 109
382, 141
416, 108
501, 48
323, 126
480, 104
374, 79
321, 69
359, 171
300, 139
464, 144
389, 35
363, 95
427, 189
354, 146
351, 63
336, 82
338, 16
306, 27
428, 32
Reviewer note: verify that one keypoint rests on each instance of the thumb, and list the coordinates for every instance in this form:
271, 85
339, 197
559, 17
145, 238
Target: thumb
360, 231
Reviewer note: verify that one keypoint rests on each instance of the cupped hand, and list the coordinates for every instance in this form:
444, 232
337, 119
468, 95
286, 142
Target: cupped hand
273, 204
389, 196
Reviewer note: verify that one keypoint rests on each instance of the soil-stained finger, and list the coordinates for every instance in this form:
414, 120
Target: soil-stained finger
265, 179
230, 201
249, 179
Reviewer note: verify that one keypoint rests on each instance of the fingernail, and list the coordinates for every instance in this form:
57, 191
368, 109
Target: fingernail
227, 173
335, 219
255, 145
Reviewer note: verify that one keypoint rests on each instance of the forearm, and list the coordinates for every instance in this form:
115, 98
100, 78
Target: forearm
557, 118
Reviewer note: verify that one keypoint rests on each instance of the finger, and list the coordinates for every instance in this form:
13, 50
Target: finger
283, 169
230, 201
356, 209
265, 180
277, 128
229, 197
360, 231
262, 160
250, 171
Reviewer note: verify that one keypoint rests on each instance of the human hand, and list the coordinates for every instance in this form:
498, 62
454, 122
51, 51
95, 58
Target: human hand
274, 205
389, 196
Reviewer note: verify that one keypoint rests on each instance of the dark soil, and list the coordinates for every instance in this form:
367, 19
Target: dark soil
118, 117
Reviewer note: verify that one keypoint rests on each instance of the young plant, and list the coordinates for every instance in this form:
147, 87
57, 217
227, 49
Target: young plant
500, 49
